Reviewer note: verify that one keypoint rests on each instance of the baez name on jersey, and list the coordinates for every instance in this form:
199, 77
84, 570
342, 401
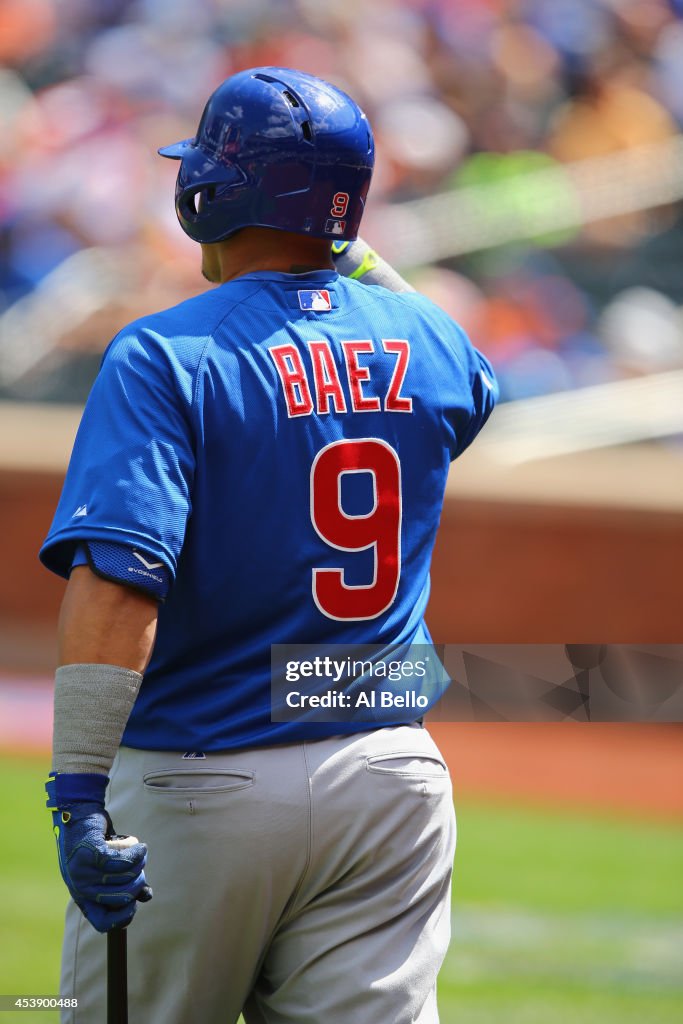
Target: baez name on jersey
325, 384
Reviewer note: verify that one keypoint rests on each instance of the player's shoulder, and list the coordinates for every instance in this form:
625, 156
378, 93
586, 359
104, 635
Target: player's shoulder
180, 332
428, 312
411, 302
415, 311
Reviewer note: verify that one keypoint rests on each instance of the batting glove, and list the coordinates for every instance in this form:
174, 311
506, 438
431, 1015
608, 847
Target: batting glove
104, 882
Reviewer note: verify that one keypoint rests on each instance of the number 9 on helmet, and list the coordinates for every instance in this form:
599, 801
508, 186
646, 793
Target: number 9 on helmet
275, 148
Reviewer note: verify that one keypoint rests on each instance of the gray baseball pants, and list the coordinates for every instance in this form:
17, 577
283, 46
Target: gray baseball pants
298, 884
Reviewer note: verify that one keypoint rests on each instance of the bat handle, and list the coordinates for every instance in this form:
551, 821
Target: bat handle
117, 976
121, 842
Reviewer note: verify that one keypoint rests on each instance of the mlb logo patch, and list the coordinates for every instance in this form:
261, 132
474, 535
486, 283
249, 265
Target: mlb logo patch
318, 300
335, 227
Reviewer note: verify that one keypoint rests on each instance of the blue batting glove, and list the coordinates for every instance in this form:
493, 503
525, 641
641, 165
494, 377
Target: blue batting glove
104, 882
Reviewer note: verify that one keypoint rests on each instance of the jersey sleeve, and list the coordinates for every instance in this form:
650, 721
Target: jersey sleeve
464, 378
119, 563
482, 388
131, 471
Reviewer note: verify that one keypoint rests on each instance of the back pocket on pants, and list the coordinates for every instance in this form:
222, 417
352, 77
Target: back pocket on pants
198, 780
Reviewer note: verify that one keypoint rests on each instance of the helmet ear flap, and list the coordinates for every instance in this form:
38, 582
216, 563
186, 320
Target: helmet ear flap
204, 197
193, 202
188, 204
194, 207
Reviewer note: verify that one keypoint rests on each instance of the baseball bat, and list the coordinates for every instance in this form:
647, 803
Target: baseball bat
117, 976
357, 260
117, 952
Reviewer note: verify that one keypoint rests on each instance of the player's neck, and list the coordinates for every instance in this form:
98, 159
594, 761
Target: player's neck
255, 249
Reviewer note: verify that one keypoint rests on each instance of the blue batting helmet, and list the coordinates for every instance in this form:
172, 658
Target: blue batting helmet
275, 148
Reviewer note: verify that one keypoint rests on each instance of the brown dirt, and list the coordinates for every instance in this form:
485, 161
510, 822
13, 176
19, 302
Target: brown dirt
633, 769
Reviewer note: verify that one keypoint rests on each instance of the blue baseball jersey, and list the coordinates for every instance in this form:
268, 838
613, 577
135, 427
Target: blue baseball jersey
279, 446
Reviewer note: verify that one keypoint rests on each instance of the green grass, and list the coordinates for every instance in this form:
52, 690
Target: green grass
32, 895
559, 917
565, 861
562, 918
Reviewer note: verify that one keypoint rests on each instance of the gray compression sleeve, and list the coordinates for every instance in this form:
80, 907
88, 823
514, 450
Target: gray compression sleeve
358, 261
92, 705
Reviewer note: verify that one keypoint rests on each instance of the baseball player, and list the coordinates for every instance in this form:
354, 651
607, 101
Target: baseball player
262, 464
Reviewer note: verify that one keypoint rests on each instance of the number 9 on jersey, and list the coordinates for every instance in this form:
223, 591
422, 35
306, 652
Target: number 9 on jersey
379, 529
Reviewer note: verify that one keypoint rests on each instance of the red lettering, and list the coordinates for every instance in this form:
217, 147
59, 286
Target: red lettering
358, 375
395, 401
340, 204
293, 378
327, 383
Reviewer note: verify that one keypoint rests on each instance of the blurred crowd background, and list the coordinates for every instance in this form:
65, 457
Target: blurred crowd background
461, 94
